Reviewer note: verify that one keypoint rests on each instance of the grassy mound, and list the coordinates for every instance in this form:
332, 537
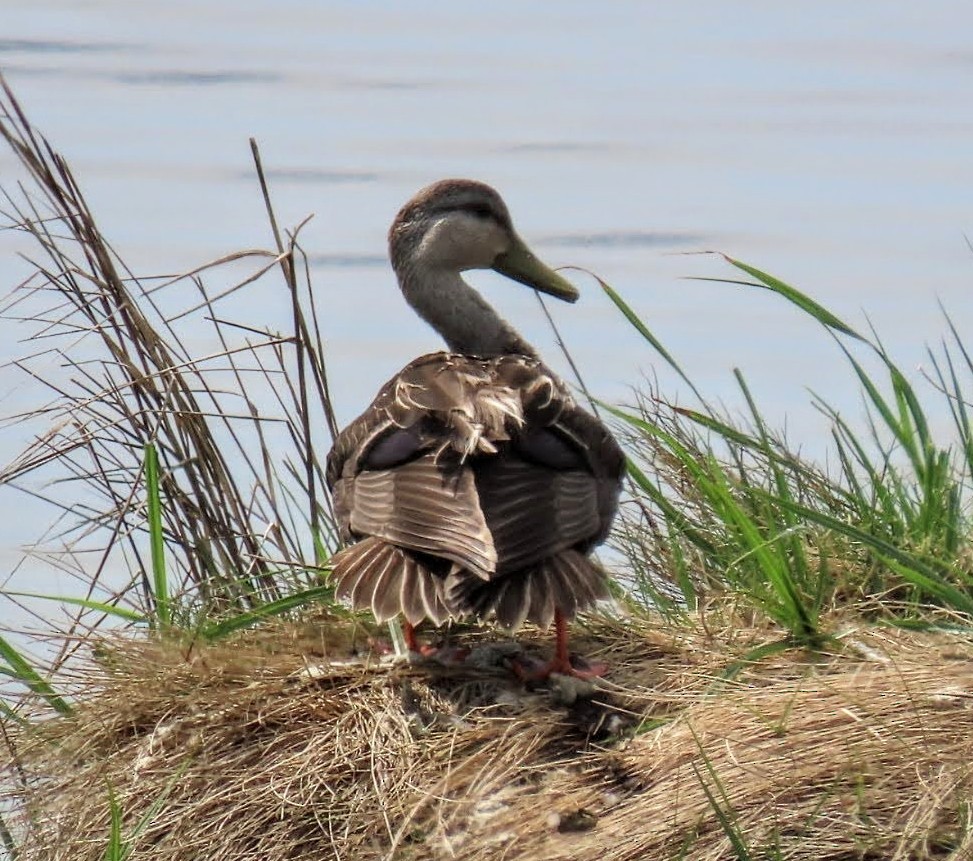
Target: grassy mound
279, 746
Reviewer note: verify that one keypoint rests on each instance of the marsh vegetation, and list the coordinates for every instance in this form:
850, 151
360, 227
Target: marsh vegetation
791, 653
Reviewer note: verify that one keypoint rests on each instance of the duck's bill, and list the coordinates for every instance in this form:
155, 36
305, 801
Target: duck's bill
519, 263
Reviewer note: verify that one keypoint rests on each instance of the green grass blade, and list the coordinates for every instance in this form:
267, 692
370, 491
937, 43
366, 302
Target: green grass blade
670, 511
727, 825
9, 844
724, 812
785, 602
316, 594
160, 583
120, 848
790, 608
683, 577
12, 715
877, 400
115, 851
672, 514
25, 673
321, 552
643, 330
796, 297
147, 818
957, 403
728, 432
752, 657
100, 606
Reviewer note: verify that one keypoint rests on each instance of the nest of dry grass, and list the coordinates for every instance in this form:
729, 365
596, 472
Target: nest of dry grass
281, 746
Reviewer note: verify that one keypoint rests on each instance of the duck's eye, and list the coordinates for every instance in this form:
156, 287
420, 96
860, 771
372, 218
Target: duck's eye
481, 211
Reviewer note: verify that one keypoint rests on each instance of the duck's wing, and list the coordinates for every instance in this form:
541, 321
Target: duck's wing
548, 497
554, 485
421, 506
606, 464
401, 471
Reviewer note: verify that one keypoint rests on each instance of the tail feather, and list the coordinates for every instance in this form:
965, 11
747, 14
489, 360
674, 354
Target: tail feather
385, 601
407, 590
433, 605
365, 560
378, 576
512, 602
590, 582
542, 589
568, 583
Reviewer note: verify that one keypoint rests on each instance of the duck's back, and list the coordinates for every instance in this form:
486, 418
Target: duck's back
473, 486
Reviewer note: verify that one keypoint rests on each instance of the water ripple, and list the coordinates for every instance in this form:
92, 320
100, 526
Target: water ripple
181, 77
52, 46
315, 175
544, 147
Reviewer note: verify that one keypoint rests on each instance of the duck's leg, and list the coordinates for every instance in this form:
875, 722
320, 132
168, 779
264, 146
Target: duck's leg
443, 654
404, 640
561, 663
562, 658
409, 631
412, 642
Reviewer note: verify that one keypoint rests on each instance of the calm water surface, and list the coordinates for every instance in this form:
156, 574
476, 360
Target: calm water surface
830, 146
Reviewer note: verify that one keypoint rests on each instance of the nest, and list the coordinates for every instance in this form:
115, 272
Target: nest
279, 746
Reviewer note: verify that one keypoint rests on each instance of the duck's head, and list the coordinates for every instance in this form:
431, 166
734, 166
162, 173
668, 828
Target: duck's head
459, 224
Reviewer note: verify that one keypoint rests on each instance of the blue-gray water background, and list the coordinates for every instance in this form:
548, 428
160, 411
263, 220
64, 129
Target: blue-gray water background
829, 144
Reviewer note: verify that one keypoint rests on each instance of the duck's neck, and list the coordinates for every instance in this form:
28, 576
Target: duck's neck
454, 309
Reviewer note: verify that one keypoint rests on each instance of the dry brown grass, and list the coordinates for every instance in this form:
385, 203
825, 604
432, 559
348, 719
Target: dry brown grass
240, 431
277, 746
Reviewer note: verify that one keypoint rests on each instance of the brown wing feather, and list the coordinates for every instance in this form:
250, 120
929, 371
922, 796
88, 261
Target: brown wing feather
533, 512
420, 507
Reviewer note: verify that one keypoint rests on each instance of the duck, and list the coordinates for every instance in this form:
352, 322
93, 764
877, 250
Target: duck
473, 485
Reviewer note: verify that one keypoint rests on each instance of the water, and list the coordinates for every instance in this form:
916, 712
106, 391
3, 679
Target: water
829, 145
